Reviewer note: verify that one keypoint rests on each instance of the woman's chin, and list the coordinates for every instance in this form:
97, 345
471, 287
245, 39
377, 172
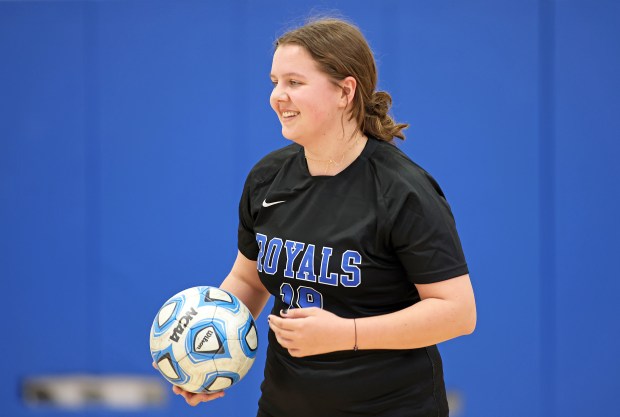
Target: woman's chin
289, 135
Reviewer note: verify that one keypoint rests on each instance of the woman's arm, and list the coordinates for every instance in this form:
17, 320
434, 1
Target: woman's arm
447, 310
244, 283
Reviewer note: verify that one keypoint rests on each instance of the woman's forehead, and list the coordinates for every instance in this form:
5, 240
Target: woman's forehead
292, 60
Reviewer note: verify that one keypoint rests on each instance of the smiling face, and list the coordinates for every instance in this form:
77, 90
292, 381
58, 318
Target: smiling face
308, 103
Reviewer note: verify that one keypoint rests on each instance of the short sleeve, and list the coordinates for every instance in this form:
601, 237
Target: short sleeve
246, 239
424, 236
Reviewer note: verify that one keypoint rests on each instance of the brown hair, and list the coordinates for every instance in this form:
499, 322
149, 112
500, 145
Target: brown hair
340, 50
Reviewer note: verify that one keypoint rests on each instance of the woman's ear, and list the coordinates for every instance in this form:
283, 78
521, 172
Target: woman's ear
348, 85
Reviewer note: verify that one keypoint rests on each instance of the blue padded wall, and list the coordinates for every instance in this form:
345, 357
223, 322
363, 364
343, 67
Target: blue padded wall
127, 129
587, 133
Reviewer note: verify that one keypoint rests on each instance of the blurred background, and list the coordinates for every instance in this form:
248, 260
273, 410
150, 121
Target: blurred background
127, 129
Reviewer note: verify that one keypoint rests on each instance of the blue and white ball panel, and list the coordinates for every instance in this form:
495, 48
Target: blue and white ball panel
196, 373
217, 294
243, 366
168, 365
219, 381
248, 338
207, 340
205, 376
219, 297
239, 339
241, 315
183, 345
176, 316
166, 315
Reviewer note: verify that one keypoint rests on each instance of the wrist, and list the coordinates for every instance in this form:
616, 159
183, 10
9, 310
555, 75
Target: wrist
355, 345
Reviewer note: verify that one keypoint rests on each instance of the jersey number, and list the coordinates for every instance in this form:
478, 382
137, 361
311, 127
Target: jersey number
306, 296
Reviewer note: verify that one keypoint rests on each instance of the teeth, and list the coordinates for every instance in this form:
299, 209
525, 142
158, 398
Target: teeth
290, 113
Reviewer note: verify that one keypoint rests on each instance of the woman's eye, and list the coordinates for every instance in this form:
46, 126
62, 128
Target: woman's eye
292, 83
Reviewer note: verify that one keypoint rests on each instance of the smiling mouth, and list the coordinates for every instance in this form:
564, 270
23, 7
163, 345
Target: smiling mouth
289, 114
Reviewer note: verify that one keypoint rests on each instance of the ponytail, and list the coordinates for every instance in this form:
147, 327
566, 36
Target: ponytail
376, 120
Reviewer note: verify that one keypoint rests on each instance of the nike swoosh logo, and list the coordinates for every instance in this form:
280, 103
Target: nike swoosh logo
266, 204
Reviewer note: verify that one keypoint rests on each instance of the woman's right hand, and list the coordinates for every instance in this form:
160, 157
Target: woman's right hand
191, 398
195, 399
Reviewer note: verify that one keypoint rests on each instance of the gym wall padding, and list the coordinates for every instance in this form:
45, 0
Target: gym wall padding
127, 129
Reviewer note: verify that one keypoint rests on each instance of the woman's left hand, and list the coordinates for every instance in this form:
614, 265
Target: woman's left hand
312, 331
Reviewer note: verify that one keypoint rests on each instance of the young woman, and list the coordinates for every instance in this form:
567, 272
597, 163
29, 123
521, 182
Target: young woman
354, 240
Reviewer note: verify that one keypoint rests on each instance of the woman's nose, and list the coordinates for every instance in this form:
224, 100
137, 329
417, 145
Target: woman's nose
279, 93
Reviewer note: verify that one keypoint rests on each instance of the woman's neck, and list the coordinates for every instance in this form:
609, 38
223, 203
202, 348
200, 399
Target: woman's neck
332, 155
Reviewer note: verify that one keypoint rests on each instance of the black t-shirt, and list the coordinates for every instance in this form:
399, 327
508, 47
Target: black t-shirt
353, 244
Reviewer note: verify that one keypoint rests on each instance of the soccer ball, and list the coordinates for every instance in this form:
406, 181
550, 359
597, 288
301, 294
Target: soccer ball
204, 339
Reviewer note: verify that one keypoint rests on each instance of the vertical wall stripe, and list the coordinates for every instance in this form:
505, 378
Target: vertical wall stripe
547, 206
92, 175
238, 40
